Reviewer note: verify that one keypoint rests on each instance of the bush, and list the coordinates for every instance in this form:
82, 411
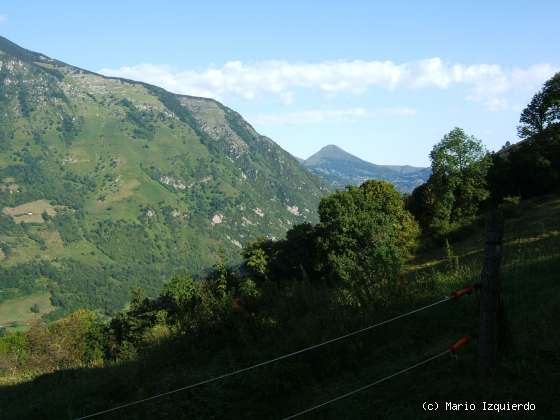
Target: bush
364, 236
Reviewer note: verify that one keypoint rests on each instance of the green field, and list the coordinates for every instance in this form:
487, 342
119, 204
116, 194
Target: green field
16, 313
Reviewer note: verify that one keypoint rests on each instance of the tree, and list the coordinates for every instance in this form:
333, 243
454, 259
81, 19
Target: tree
534, 116
459, 166
363, 237
552, 93
284, 261
455, 154
179, 298
74, 341
543, 110
421, 204
530, 168
257, 259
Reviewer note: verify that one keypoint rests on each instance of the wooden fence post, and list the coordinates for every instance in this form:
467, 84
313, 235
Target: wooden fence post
490, 299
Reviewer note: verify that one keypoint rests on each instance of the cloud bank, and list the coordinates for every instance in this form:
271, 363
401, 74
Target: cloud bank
485, 83
330, 115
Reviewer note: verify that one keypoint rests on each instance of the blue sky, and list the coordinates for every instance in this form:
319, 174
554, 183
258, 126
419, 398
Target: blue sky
383, 80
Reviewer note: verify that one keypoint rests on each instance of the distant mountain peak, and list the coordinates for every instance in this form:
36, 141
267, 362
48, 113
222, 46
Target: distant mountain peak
340, 168
332, 148
331, 152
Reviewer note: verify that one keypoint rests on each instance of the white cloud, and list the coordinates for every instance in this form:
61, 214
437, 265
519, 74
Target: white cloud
321, 115
485, 83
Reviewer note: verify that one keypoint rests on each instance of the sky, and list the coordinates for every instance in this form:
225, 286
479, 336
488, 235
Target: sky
383, 80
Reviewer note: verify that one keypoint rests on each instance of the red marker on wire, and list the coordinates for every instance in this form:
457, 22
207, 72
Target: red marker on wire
462, 342
462, 292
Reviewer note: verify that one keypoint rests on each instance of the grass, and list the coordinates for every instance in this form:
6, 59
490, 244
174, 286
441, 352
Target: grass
17, 312
531, 221
30, 212
528, 372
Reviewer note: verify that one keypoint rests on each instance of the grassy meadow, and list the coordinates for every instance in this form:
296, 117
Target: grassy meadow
16, 314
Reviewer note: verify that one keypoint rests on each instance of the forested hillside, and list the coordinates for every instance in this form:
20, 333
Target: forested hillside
106, 184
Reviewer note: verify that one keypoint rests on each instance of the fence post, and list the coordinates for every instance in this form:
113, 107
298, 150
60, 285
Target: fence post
490, 299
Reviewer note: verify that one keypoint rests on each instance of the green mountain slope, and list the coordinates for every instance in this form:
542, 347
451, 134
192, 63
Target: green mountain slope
339, 168
108, 183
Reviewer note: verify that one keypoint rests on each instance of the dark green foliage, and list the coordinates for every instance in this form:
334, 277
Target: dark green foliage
421, 203
21, 279
364, 236
68, 227
58, 75
76, 285
529, 168
6, 249
24, 105
359, 246
143, 125
543, 111
45, 180
69, 128
294, 259
8, 225
552, 91
124, 241
457, 187
534, 117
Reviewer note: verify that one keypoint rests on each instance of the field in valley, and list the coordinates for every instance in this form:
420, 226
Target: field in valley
16, 314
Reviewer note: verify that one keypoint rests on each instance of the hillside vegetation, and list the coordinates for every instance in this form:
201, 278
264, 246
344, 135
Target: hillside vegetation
106, 184
306, 315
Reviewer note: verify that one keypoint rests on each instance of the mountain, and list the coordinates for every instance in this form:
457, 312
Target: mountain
108, 183
339, 168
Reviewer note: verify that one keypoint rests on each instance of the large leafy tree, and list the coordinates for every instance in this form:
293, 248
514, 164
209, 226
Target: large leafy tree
458, 182
421, 203
529, 168
286, 260
532, 167
543, 110
363, 237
